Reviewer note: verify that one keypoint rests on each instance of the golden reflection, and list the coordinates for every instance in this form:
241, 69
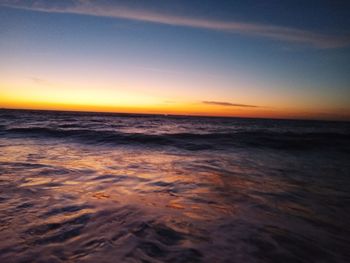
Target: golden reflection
101, 196
167, 183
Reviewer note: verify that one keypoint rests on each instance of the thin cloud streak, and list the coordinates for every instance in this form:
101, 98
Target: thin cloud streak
40, 81
229, 104
280, 33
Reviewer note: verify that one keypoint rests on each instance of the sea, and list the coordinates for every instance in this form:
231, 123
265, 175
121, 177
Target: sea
107, 187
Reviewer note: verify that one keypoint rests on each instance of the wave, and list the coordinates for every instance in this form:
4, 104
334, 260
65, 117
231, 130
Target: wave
193, 141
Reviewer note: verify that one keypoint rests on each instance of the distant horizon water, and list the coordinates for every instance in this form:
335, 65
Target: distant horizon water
342, 119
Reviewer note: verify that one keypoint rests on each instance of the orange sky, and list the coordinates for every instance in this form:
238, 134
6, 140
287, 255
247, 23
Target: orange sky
94, 58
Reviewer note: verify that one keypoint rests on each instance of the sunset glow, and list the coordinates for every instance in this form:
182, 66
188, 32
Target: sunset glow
75, 55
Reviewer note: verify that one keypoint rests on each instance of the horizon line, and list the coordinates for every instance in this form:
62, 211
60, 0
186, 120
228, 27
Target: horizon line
181, 115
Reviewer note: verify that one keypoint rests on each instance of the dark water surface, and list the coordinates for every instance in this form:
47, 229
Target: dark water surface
89, 187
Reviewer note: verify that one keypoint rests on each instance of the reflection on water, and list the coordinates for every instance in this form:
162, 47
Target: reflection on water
65, 201
62, 202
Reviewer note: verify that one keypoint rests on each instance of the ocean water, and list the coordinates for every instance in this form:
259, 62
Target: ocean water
93, 187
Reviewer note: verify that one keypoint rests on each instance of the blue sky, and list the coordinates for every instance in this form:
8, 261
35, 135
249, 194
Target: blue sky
290, 57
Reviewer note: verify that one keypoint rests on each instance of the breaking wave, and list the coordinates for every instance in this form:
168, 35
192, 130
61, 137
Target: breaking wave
193, 141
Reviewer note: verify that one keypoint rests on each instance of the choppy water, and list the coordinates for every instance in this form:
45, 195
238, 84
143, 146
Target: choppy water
88, 187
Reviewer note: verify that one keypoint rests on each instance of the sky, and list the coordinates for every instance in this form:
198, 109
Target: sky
274, 59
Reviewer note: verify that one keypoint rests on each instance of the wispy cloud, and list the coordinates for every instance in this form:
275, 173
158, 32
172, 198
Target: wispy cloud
287, 34
229, 104
40, 81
